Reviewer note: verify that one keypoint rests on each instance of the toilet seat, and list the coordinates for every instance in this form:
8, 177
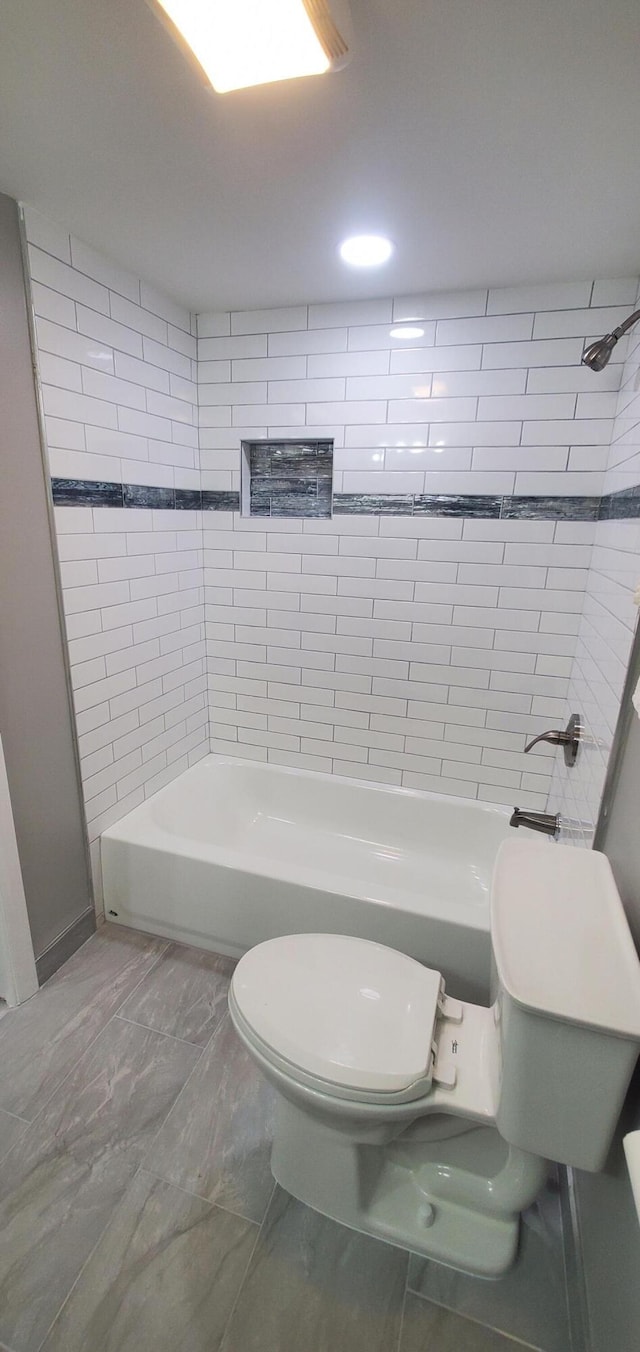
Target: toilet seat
343, 1015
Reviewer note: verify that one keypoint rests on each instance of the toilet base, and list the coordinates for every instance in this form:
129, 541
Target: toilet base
415, 1194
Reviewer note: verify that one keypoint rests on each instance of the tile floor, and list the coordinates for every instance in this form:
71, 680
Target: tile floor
138, 1213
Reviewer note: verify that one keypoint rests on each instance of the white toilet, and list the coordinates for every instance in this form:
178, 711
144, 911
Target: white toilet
428, 1121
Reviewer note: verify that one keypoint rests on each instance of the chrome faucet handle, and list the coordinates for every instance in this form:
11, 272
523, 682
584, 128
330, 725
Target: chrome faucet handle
568, 737
555, 735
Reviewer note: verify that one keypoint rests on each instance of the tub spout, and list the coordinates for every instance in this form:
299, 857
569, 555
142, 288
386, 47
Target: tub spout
547, 822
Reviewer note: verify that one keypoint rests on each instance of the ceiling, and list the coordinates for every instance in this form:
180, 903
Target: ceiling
495, 141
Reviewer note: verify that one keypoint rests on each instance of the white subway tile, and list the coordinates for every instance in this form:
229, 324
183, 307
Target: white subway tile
67, 375
432, 410
105, 330
256, 415
439, 305
285, 391
492, 329
547, 296
617, 291
250, 345
541, 352
301, 343
587, 323
214, 324
75, 347
350, 364
78, 407
558, 484
269, 321
46, 234
479, 433
372, 337
60, 277
526, 406
350, 312
401, 482
514, 458
102, 270
159, 304
49, 304
435, 359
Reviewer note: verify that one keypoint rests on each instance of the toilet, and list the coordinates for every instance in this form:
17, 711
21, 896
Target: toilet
429, 1121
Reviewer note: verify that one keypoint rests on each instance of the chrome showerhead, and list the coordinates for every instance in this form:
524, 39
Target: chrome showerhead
597, 354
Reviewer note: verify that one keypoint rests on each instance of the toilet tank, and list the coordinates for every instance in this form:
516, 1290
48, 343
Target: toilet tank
566, 991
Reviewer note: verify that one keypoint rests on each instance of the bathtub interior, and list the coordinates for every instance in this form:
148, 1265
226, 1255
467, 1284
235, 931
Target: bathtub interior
376, 840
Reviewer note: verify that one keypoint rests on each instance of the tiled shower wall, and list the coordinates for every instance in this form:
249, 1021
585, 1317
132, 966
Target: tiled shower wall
390, 644
117, 371
413, 649
608, 620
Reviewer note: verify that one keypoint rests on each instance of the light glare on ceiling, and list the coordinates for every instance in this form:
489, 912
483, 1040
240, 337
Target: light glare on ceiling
366, 251
406, 332
251, 42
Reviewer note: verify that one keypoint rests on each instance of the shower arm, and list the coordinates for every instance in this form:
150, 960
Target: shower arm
628, 324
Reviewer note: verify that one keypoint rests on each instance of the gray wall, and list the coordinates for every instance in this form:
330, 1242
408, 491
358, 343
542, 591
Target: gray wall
608, 1226
35, 712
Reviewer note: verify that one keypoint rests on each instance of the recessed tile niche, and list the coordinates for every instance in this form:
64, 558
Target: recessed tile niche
287, 478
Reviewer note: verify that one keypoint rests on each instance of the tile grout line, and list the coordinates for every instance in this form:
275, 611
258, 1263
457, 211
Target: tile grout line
17, 1118
198, 1196
246, 1271
404, 1305
181, 1092
31, 1121
184, 1041
471, 1319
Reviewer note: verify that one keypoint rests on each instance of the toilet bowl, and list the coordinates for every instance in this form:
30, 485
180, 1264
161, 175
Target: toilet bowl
429, 1121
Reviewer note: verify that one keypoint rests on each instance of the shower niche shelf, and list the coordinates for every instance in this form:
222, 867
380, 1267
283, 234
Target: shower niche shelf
287, 478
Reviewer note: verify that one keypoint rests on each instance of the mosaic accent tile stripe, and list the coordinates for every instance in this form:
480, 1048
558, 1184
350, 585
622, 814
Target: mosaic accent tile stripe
620, 506
545, 508
90, 493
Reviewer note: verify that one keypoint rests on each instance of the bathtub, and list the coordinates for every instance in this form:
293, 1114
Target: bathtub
233, 852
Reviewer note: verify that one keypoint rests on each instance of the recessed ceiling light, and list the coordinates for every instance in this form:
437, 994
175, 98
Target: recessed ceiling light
366, 251
406, 332
239, 43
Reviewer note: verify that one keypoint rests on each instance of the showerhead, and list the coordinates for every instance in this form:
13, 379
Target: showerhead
597, 354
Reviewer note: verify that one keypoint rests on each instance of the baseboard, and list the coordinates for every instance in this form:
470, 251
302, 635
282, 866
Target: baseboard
66, 944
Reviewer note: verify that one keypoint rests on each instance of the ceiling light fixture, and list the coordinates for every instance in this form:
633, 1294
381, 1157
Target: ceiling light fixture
366, 251
239, 43
406, 332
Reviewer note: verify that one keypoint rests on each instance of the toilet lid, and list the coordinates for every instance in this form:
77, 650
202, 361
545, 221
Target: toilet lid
348, 1011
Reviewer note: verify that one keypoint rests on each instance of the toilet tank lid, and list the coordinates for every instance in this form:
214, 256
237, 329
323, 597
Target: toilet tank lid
560, 937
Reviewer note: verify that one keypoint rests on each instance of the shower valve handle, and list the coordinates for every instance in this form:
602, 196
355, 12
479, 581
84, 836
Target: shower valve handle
569, 738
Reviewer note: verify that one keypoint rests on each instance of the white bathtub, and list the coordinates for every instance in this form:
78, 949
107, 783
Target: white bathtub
234, 852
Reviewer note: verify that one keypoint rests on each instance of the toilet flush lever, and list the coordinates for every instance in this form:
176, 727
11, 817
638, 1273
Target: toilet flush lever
569, 738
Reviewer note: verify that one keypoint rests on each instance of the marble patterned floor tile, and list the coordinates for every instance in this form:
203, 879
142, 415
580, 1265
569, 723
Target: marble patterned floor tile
11, 1129
529, 1302
185, 994
163, 1277
217, 1140
313, 1284
430, 1328
42, 1040
62, 1179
